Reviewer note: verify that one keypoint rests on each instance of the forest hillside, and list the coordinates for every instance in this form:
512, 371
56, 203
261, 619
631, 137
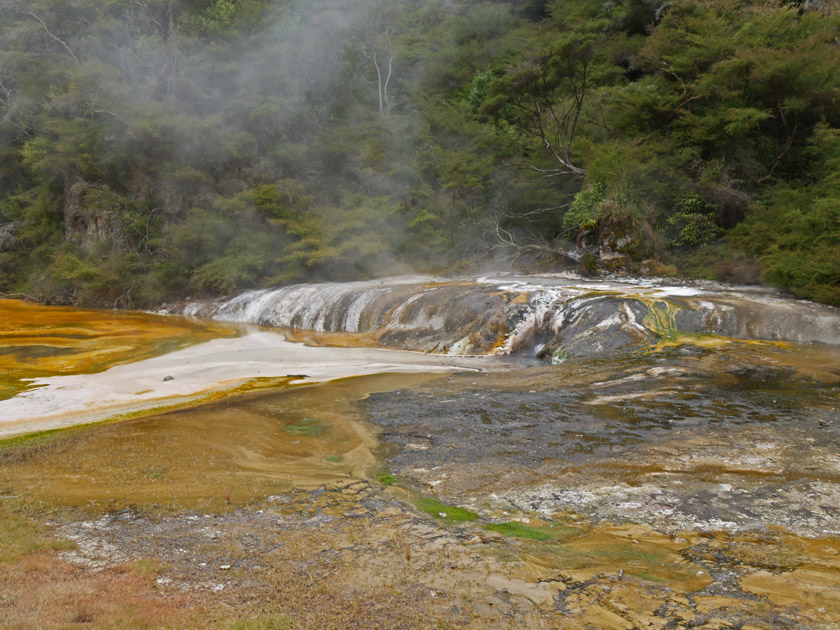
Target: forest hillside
156, 149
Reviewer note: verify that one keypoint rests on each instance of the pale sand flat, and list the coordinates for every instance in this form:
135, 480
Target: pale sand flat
64, 401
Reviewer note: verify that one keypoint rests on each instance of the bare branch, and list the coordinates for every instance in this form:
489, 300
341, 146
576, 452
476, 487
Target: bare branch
390, 68
550, 106
369, 51
791, 136
24, 296
538, 211
563, 131
530, 242
46, 30
7, 93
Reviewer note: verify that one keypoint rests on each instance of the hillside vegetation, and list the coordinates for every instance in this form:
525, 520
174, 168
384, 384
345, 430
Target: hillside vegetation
155, 149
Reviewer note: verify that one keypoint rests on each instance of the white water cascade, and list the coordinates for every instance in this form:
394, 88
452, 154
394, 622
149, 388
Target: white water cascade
519, 314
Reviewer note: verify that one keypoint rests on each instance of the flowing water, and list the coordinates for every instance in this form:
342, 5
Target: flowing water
625, 454
557, 315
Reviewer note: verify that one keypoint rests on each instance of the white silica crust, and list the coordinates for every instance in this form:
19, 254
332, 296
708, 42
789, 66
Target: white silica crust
511, 314
62, 401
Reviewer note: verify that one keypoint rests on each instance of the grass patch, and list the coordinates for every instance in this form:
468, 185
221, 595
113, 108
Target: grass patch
19, 538
154, 472
449, 514
651, 578
564, 531
333, 458
567, 558
503, 555
254, 385
386, 479
518, 530
149, 568
40, 438
307, 426
30, 439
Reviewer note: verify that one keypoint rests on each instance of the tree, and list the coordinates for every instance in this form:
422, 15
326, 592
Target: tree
544, 97
369, 51
24, 9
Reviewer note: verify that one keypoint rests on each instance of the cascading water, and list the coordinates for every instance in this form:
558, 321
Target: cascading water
555, 316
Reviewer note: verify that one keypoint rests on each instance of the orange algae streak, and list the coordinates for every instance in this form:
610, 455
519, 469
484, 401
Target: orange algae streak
38, 340
333, 339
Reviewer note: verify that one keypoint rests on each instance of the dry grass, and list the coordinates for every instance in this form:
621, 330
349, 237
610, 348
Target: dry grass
39, 589
43, 591
19, 537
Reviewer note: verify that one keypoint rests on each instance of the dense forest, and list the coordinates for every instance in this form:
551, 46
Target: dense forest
156, 149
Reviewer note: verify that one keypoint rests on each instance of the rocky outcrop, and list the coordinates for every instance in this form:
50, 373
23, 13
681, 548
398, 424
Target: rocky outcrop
92, 216
8, 235
552, 317
598, 327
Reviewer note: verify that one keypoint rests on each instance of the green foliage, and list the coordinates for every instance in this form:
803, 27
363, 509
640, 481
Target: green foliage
584, 212
796, 233
519, 530
690, 228
691, 225
307, 426
449, 514
386, 479
222, 18
152, 150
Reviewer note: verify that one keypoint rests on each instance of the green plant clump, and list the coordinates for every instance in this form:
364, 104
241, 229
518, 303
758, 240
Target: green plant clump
19, 537
386, 479
449, 514
518, 530
307, 426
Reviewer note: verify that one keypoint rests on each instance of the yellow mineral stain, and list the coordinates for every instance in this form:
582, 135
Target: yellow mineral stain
38, 340
795, 572
208, 457
333, 339
638, 552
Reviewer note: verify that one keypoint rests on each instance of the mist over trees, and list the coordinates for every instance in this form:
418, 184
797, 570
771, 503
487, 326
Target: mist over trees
155, 149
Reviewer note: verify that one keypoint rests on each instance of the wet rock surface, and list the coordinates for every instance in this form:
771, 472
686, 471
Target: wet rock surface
555, 316
606, 494
703, 443
599, 327
738, 458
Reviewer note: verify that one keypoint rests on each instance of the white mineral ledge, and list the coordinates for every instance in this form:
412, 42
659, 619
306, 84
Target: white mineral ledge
63, 401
